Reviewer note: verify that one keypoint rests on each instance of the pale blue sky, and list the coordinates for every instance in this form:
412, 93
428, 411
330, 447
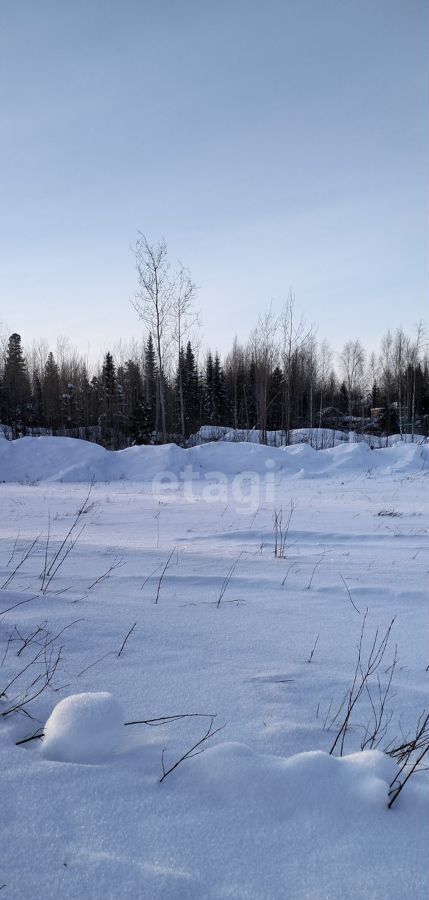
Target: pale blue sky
276, 145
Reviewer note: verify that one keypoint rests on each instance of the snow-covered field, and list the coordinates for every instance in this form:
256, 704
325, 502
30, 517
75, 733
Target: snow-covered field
166, 599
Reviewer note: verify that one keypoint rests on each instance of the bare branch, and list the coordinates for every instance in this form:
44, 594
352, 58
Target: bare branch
193, 751
349, 595
126, 638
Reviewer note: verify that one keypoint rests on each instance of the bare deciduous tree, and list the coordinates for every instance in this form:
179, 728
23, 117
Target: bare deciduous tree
164, 303
352, 361
184, 318
264, 352
294, 336
324, 368
153, 303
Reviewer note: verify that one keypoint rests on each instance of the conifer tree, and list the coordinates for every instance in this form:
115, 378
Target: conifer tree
151, 386
218, 392
109, 395
208, 392
191, 402
83, 398
274, 404
16, 387
135, 409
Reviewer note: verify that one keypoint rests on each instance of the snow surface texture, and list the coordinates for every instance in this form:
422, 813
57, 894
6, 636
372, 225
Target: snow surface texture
83, 728
265, 812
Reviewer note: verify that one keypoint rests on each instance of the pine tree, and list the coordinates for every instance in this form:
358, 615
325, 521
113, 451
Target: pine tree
218, 392
208, 403
274, 405
343, 398
16, 387
109, 398
94, 400
83, 398
191, 399
151, 386
136, 422
179, 394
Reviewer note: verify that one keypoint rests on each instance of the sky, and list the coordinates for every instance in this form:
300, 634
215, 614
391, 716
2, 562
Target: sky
277, 146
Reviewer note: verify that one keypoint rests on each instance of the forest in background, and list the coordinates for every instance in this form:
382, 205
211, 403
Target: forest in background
253, 387
163, 389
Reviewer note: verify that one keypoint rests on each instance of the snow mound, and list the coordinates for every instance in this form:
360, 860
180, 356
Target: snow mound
83, 728
312, 783
50, 459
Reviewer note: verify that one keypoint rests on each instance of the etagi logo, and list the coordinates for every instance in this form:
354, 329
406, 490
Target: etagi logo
247, 490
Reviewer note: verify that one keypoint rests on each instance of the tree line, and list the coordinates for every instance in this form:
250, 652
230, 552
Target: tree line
163, 389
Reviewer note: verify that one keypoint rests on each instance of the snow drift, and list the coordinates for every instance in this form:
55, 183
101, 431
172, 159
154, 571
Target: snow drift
57, 459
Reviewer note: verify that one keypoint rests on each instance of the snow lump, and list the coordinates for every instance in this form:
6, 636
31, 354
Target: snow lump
83, 728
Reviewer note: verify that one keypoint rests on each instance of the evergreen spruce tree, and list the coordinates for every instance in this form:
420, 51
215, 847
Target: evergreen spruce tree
343, 398
151, 387
425, 396
83, 399
135, 409
274, 400
208, 393
68, 406
16, 387
191, 400
109, 399
95, 401
179, 394
218, 392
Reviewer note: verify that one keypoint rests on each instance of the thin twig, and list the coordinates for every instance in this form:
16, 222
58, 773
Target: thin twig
20, 603
116, 564
362, 674
193, 751
227, 578
349, 595
151, 575
23, 559
167, 566
126, 638
34, 737
315, 569
313, 649
110, 653
161, 720
13, 550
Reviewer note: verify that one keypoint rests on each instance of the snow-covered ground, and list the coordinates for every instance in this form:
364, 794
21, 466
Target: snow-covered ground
265, 647
318, 438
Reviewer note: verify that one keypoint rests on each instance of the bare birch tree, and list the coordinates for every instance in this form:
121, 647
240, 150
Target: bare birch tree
352, 361
154, 304
184, 318
324, 368
264, 352
294, 336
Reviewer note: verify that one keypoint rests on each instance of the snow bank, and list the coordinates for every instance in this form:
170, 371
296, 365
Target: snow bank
83, 728
311, 783
51, 459
316, 437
